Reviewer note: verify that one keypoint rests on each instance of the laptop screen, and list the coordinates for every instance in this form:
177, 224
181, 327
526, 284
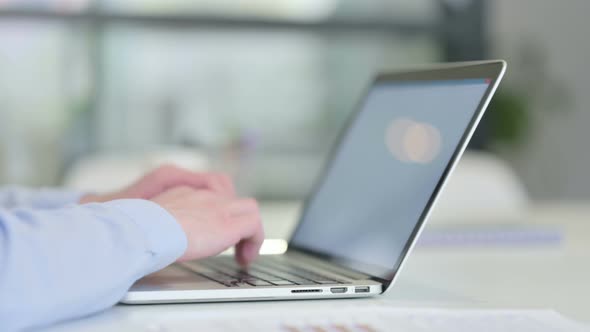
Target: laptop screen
386, 169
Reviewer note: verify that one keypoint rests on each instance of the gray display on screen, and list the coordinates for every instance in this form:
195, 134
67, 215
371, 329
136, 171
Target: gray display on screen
387, 168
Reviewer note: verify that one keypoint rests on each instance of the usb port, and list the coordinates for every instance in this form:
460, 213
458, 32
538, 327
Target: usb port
362, 289
338, 289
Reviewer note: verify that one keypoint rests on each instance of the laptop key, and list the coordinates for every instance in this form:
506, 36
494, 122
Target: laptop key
301, 281
282, 282
221, 278
326, 282
259, 283
242, 284
235, 283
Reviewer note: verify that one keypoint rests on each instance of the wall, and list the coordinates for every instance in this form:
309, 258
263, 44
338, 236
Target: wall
554, 160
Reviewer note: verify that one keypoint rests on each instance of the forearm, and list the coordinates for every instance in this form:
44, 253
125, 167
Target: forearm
14, 197
69, 262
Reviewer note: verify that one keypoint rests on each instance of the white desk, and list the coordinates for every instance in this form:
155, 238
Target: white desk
556, 277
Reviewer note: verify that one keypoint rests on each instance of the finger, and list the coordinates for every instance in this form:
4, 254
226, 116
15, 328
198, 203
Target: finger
242, 207
220, 183
228, 184
249, 246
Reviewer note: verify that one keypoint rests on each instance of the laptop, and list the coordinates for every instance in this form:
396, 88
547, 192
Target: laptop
362, 219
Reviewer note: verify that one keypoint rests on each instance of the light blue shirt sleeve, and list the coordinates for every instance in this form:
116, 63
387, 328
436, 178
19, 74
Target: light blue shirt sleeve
68, 262
44, 198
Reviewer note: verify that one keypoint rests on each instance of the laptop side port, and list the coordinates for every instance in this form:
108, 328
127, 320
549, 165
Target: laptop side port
338, 290
306, 291
362, 289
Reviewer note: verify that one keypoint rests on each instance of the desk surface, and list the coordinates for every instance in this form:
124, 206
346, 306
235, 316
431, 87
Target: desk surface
552, 276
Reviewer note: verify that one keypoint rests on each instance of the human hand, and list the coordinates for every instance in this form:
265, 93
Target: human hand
214, 222
164, 178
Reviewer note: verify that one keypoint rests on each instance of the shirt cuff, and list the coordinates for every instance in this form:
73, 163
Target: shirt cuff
166, 239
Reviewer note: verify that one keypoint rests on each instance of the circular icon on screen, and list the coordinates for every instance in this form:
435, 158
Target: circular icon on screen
412, 141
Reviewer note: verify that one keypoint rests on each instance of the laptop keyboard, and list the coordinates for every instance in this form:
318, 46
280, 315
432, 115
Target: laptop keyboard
266, 271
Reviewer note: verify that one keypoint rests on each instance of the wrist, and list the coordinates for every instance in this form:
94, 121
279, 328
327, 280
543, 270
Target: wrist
95, 198
88, 198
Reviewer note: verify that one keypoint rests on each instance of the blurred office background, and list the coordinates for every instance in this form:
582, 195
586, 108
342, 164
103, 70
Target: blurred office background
260, 88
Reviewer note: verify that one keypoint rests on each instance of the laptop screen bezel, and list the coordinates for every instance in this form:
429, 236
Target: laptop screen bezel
490, 70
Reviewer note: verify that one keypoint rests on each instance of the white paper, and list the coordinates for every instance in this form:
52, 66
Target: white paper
371, 319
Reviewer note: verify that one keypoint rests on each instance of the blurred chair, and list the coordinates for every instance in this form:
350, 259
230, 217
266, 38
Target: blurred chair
482, 189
